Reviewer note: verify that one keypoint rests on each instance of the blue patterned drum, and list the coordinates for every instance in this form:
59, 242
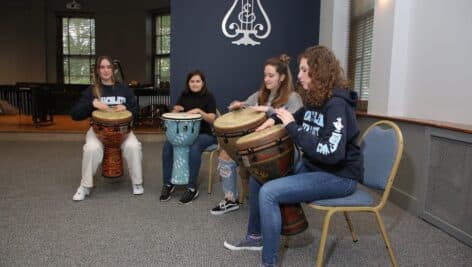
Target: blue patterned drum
181, 131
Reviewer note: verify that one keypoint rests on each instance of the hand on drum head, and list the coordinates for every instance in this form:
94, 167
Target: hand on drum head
260, 108
120, 107
195, 111
236, 105
268, 123
284, 115
177, 108
99, 104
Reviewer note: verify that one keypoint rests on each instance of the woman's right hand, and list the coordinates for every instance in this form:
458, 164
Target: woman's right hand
260, 108
235, 105
99, 104
268, 123
177, 108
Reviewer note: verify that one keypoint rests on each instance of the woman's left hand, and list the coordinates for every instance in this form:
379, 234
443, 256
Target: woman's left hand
268, 123
285, 116
120, 107
195, 111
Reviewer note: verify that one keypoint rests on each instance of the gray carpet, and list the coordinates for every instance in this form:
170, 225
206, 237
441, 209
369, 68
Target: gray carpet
41, 226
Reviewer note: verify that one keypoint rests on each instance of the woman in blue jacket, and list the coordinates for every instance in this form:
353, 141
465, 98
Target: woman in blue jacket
325, 129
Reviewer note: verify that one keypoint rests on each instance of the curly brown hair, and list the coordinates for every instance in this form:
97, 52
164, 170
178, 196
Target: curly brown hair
281, 65
326, 74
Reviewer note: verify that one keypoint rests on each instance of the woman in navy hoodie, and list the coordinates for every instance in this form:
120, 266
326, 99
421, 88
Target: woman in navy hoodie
325, 129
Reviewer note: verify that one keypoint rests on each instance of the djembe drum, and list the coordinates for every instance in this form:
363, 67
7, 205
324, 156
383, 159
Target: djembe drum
268, 155
181, 131
111, 128
235, 124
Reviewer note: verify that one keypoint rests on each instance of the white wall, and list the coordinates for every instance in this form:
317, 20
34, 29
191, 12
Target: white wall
334, 28
439, 69
421, 57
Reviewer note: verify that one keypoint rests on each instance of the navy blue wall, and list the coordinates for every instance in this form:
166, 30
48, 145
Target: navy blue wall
234, 72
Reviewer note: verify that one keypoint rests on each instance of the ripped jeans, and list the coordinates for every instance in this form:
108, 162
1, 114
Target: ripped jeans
228, 173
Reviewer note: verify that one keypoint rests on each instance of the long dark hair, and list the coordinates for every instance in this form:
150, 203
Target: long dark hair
189, 76
96, 81
326, 74
281, 65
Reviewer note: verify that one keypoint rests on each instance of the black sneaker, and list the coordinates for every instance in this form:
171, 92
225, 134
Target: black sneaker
225, 206
165, 192
189, 195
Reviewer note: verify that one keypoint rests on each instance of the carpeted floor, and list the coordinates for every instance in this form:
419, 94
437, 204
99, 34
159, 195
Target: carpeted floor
40, 225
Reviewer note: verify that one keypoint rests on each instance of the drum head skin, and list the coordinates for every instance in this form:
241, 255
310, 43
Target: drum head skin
111, 115
239, 119
263, 137
181, 116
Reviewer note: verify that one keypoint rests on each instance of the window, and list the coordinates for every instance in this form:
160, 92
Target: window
161, 37
78, 50
360, 55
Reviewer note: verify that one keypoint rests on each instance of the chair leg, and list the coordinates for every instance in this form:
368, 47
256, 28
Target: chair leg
386, 239
243, 184
210, 173
351, 228
285, 241
324, 235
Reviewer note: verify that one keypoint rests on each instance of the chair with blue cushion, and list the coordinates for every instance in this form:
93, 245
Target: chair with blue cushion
382, 148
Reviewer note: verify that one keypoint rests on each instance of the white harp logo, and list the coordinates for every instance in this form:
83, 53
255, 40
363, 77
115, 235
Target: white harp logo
248, 25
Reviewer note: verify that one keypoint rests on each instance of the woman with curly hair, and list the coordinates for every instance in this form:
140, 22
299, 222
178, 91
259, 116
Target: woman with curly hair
325, 130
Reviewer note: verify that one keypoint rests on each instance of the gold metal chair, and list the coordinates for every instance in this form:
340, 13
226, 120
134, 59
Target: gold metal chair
212, 150
382, 147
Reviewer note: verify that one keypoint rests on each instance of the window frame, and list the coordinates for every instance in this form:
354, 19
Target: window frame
366, 18
155, 56
60, 56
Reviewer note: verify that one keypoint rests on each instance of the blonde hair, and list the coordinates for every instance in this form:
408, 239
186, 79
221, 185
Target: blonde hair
96, 80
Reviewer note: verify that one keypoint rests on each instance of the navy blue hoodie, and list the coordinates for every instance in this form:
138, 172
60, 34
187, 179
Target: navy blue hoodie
111, 95
327, 135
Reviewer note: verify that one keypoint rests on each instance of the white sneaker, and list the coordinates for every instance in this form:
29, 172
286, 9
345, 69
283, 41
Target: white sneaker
138, 189
81, 193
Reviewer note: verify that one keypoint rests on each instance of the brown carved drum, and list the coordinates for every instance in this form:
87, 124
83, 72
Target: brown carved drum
112, 128
232, 125
268, 155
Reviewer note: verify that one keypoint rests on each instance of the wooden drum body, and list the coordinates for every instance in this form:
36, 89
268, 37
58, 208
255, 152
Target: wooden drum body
268, 155
235, 124
182, 130
112, 128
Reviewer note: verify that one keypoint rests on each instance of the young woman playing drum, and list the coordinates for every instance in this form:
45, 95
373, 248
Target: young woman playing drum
276, 91
106, 94
325, 129
195, 99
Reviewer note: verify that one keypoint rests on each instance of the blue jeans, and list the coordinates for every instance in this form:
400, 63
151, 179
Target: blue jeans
228, 173
304, 186
195, 158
